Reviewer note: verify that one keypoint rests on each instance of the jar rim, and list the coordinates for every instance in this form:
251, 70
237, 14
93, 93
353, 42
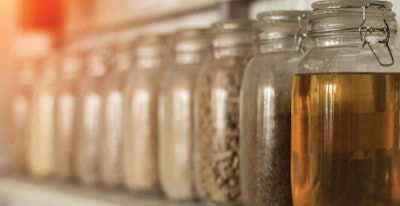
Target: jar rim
340, 4
339, 16
231, 25
280, 16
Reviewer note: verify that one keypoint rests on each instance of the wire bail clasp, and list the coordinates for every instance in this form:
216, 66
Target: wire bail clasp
300, 34
364, 30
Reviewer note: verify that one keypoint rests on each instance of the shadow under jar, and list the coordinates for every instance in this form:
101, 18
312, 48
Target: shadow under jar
345, 108
71, 67
42, 118
217, 114
140, 157
265, 109
110, 166
176, 133
90, 106
20, 110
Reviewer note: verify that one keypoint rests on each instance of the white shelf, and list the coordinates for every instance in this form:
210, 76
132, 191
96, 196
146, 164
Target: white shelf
23, 192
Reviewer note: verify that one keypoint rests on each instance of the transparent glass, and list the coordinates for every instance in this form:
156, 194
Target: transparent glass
66, 115
265, 113
89, 117
217, 114
140, 158
110, 166
176, 133
20, 108
42, 118
345, 113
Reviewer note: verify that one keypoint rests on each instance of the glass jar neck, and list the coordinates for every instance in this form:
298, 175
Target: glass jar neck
350, 39
187, 58
123, 60
234, 51
96, 66
275, 46
149, 62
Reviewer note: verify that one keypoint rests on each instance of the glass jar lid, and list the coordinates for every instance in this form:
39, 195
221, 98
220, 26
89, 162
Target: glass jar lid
232, 33
348, 16
279, 24
26, 73
151, 45
191, 40
48, 68
71, 66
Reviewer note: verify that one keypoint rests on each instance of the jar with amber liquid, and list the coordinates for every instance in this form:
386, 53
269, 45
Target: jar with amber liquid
345, 108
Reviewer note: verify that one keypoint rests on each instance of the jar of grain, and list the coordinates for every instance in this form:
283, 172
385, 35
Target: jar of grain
140, 157
65, 125
110, 167
21, 105
265, 109
176, 137
41, 126
345, 107
90, 107
217, 113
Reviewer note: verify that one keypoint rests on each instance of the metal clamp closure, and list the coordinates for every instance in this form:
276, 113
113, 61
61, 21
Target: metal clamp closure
300, 35
364, 30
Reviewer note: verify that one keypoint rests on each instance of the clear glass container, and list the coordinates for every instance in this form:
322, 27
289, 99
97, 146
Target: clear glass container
20, 108
42, 117
345, 108
265, 109
89, 116
217, 114
110, 167
140, 158
71, 69
176, 133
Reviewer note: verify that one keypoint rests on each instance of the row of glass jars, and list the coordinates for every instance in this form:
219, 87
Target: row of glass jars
217, 123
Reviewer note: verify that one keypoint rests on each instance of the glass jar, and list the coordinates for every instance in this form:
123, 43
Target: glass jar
140, 162
217, 113
66, 114
21, 104
89, 116
265, 109
345, 108
41, 126
110, 167
191, 49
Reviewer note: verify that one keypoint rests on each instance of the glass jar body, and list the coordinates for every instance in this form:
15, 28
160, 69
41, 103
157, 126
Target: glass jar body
345, 126
176, 131
265, 128
217, 132
21, 106
66, 128
140, 156
110, 168
89, 130
41, 126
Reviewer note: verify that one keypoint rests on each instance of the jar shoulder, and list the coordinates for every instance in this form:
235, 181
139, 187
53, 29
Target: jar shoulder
349, 59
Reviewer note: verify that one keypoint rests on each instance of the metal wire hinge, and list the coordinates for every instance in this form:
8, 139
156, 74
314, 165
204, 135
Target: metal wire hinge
364, 30
300, 35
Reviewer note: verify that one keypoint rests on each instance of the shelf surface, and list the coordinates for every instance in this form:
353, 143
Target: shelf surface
16, 191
